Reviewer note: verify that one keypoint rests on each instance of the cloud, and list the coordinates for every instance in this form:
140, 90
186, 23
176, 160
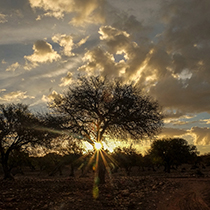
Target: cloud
173, 94
179, 122
100, 61
172, 115
183, 83
3, 61
130, 23
181, 31
141, 63
82, 41
53, 97
67, 80
176, 75
91, 11
15, 96
43, 53
66, 41
144, 11
115, 42
177, 117
205, 121
175, 68
201, 135
172, 132
13, 67
3, 18
2, 90
145, 63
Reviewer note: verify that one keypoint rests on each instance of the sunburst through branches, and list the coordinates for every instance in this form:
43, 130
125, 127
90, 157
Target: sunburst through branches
97, 158
98, 145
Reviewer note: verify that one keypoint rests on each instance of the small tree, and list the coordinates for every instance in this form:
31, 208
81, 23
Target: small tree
19, 129
126, 157
70, 149
97, 107
172, 152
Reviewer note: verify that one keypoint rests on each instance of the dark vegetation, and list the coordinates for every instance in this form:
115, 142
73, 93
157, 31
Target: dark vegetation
66, 181
126, 160
94, 110
20, 129
133, 181
97, 108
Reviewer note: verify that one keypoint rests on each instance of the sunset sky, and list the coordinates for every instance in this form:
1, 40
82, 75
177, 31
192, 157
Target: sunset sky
164, 45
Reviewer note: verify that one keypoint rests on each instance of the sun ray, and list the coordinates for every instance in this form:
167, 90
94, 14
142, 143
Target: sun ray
98, 145
96, 178
110, 158
89, 162
106, 166
99, 152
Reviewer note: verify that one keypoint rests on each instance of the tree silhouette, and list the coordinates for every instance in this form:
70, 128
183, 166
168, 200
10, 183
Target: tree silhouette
70, 149
126, 157
170, 152
19, 129
97, 108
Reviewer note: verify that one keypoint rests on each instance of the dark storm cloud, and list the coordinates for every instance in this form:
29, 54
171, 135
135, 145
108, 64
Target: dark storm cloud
183, 83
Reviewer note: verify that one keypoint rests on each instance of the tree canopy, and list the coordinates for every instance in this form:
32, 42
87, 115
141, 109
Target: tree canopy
19, 128
96, 107
170, 152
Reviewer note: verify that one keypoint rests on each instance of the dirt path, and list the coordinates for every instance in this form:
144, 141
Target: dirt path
193, 194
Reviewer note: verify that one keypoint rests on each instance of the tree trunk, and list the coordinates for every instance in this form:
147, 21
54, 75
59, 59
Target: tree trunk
167, 168
4, 162
101, 171
7, 171
72, 170
128, 170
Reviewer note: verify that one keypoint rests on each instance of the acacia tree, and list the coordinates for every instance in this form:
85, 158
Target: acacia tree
97, 107
19, 129
174, 151
70, 149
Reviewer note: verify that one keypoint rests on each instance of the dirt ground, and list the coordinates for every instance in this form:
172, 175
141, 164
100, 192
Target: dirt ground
145, 192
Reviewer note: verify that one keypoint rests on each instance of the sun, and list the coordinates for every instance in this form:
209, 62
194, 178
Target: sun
98, 145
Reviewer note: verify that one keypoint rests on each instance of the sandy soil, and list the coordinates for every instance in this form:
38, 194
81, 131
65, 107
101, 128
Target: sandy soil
120, 192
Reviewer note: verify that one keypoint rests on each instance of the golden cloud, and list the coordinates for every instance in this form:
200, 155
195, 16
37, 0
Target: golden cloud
2, 90
172, 132
201, 135
65, 81
101, 61
54, 96
3, 18
13, 67
43, 53
66, 42
15, 96
85, 10
205, 121
134, 59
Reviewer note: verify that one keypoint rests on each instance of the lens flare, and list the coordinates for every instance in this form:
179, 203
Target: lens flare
98, 145
98, 153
